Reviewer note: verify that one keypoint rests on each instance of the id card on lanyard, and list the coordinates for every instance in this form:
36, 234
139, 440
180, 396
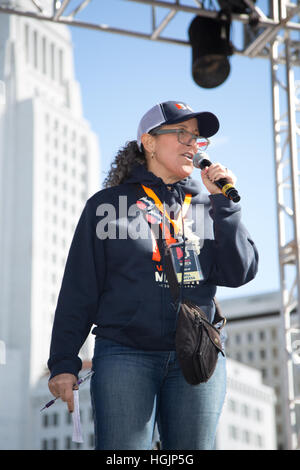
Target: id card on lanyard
179, 250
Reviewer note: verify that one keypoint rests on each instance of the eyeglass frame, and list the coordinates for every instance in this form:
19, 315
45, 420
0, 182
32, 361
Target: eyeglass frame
178, 131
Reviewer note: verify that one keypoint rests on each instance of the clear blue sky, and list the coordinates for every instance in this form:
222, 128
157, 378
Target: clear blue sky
122, 77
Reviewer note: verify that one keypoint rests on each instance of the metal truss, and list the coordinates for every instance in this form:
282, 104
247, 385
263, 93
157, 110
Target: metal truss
286, 106
276, 38
68, 12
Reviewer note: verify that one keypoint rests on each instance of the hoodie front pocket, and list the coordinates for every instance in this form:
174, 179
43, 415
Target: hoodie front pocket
115, 312
146, 321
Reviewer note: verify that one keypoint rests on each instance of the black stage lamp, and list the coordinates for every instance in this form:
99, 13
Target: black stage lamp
235, 6
211, 46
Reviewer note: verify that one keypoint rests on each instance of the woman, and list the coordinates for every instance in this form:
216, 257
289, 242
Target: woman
114, 278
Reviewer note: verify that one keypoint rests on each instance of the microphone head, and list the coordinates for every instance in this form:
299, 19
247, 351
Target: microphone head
198, 157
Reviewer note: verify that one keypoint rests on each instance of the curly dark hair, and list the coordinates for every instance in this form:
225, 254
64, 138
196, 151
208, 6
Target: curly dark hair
126, 158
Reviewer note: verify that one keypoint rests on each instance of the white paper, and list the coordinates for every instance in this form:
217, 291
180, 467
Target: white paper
77, 433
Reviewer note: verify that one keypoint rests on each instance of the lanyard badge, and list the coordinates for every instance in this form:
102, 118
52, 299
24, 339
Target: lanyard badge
186, 252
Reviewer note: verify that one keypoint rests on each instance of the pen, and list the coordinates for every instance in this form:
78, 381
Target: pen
79, 382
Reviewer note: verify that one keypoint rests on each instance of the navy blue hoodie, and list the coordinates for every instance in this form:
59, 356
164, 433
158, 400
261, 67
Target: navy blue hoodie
112, 282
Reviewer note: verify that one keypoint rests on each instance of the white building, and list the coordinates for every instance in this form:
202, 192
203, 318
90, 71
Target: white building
49, 167
248, 418
254, 338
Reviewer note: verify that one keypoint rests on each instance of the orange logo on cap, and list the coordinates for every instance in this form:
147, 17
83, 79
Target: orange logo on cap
183, 106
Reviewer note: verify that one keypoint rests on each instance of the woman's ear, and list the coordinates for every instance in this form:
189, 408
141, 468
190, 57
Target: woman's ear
148, 142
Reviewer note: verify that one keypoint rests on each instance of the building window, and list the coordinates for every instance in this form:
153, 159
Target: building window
44, 444
68, 418
61, 66
84, 158
258, 414
262, 335
250, 355
91, 440
35, 50
246, 436
258, 440
250, 337
44, 56
68, 442
232, 405
55, 419
45, 422
52, 61
262, 353
27, 43
245, 410
238, 339
54, 444
233, 432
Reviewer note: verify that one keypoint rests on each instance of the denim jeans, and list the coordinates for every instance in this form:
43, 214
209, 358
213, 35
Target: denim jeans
133, 389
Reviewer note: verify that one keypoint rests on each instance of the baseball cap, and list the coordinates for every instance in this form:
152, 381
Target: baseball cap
172, 112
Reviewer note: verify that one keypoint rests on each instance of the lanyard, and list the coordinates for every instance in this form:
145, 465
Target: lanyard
177, 224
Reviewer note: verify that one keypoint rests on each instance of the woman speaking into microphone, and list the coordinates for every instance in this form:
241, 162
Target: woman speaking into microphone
118, 284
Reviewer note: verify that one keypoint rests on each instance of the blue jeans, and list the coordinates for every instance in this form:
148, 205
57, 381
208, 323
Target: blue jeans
133, 389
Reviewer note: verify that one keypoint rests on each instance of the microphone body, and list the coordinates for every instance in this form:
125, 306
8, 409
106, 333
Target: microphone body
201, 161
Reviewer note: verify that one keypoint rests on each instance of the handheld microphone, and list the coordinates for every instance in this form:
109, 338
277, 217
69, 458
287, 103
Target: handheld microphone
201, 161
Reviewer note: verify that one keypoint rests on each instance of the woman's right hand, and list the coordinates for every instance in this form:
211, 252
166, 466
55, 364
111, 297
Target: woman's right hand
62, 386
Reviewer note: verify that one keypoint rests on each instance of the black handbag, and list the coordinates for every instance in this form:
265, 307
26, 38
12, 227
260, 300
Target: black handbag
198, 342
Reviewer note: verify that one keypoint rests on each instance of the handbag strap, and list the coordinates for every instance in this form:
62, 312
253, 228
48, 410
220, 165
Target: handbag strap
169, 269
175, 287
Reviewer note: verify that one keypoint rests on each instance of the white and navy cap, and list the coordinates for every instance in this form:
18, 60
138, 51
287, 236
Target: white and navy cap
172, 112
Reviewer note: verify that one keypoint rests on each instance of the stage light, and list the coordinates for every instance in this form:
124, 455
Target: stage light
211, 46
235, 6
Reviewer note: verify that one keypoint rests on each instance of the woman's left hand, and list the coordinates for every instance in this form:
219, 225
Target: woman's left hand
213, 173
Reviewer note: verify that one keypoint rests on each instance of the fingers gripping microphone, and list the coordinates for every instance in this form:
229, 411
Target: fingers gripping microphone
201, 161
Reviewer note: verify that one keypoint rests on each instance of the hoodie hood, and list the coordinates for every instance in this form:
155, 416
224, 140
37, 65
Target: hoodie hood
141, 175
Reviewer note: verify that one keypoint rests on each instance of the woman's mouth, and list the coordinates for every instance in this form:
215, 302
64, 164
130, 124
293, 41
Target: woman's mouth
188, 155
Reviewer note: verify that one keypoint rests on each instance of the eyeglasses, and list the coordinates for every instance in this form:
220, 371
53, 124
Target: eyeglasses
185, 137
